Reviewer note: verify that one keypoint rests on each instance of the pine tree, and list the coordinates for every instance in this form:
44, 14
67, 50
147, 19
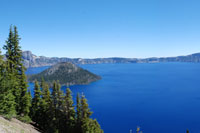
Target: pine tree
29, 94
78, 114
1, 59
86, 123
42, 84
96, 128
9, 51
59, 109
85, 115
14, 65
56, 106
25, 98
59, 97
2, 67
36, 104
7, 99
68, 112
91, 126
85, 111
46, 106
39, 111
46, 95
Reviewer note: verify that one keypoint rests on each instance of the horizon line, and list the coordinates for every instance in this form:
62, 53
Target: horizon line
110, 56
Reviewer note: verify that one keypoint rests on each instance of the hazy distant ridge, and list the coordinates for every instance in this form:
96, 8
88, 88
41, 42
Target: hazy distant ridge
31, 60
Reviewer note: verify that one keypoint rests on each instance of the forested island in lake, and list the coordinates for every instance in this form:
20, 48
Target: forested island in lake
67, 73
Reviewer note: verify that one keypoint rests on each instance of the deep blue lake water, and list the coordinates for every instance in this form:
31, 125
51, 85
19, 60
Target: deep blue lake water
159, 97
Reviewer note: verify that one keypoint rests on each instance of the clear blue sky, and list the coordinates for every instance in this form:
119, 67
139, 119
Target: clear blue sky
104, 28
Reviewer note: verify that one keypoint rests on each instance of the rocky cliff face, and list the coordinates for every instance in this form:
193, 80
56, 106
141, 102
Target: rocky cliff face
31, 60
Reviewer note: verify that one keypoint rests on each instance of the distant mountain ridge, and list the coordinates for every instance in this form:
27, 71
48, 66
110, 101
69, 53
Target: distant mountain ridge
31, 60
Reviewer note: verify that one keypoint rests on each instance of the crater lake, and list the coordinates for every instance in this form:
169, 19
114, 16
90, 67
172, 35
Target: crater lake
157, 97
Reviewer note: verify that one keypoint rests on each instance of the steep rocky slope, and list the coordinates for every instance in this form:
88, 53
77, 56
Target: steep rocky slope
15, 126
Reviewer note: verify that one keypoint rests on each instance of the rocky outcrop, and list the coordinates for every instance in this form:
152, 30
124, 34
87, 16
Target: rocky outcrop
15, 126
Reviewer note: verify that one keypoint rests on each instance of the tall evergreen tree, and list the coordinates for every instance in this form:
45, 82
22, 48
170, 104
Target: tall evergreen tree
25, 98
14, 66
42, 84
56, 106
68, 112
36, 104
46, 95
38, 109
85, 115
1, 59
7, 99
85, 111
59, 106
9, 51
46, 107
78, 114
85, 123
